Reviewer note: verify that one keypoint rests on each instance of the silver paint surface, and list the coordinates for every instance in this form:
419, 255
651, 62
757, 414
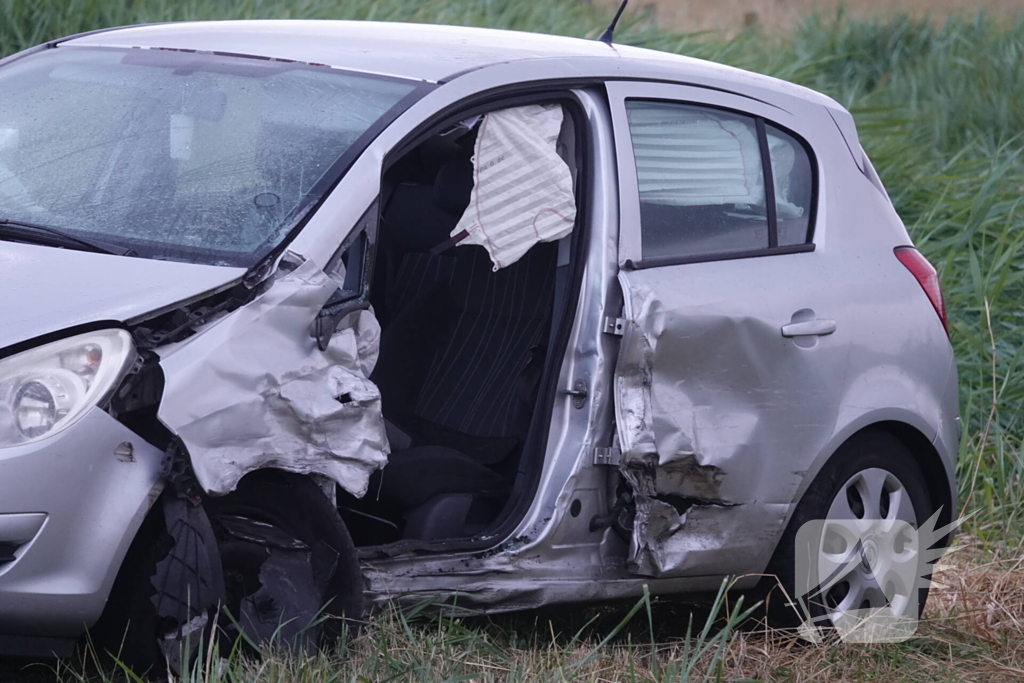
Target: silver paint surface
252, 390
47, 290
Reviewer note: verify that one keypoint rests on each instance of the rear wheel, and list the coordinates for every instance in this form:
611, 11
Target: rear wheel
859, 549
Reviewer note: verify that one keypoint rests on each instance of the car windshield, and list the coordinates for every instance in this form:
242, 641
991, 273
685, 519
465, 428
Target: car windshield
178, 155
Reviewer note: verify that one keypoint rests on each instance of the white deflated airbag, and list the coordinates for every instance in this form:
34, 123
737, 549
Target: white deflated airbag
523, 191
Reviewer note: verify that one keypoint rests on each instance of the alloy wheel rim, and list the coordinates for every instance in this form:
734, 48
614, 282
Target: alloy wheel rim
874, 543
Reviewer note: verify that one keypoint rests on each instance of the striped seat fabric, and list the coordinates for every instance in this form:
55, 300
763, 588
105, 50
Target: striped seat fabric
498, 323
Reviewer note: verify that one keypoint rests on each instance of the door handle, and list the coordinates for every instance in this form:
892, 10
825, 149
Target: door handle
809, 328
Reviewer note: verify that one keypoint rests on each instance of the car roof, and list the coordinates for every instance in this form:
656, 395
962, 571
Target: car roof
415, 51
424, 52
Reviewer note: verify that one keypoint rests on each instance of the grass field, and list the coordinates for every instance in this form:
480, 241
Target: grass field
731, 16
940, 109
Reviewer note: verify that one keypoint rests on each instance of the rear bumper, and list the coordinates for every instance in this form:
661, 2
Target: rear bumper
69, 509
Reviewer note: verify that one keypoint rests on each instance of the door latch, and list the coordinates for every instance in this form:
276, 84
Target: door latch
578, 393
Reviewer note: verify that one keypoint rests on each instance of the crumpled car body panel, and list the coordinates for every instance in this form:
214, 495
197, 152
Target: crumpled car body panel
252, 390
719, 416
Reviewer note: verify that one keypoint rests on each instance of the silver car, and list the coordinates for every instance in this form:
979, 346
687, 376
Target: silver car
307, 313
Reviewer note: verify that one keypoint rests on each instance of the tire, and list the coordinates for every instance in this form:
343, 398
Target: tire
163, 603
127, 629
292, 507
297, 529
872, 474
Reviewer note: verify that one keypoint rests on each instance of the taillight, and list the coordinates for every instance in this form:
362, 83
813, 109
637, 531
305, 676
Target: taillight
926, 277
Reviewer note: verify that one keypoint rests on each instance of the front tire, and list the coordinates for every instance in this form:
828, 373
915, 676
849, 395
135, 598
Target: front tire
218, 553
291, 572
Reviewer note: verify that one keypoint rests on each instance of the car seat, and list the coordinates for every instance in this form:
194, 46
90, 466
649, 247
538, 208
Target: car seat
459, 363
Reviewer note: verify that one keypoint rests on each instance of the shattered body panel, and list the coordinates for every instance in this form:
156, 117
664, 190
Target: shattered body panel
719, 417
252, 390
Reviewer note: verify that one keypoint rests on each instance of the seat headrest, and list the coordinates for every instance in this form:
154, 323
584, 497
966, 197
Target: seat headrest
413, 221
418, 217
453, 186
437, 151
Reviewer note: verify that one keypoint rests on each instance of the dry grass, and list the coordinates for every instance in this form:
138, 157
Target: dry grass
731, 16
973, 631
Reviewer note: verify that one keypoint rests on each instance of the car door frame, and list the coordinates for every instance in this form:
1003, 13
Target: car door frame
571, 490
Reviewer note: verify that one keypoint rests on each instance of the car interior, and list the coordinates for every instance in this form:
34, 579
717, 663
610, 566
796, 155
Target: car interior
464, 352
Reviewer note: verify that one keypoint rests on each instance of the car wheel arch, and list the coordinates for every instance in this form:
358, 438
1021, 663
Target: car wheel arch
926, 456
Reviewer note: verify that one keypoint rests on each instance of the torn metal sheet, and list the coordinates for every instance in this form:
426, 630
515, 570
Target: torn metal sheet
287, 607
522, 189
252, 390
705, 404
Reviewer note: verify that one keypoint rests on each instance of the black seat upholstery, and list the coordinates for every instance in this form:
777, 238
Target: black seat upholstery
497, 323
417, 474
459, 359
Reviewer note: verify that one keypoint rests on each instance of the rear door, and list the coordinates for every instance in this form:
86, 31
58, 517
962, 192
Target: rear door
736, 340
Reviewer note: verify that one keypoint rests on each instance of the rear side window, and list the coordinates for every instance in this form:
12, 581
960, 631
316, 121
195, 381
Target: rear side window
705, 187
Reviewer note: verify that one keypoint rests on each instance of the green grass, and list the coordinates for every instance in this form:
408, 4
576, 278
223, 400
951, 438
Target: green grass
940, 109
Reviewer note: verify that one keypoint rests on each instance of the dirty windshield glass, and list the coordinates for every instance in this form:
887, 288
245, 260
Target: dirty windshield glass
178, 155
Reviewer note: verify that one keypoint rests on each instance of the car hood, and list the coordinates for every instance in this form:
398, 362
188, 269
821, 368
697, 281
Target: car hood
46, 289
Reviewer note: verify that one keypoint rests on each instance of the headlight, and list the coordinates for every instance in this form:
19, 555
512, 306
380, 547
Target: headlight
47, 389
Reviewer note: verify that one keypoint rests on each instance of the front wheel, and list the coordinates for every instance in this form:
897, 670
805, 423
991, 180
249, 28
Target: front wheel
274, 556
291, 574
851, 558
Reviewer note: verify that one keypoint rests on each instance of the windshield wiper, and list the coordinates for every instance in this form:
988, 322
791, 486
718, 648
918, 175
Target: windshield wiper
33, 231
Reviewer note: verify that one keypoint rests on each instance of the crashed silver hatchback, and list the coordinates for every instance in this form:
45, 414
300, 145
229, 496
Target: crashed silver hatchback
303, 313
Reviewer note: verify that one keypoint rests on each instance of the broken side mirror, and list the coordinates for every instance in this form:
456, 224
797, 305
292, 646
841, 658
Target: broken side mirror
351, 267
342, 303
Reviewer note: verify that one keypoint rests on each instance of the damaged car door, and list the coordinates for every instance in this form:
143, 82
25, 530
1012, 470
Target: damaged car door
734, 339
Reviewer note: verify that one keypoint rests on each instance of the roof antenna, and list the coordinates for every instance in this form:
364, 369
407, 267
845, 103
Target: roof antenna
606, 37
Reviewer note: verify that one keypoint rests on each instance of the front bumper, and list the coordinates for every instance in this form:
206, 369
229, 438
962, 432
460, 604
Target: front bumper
69, 508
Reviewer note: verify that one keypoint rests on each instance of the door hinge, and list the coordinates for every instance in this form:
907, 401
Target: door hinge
616, 326
608, 456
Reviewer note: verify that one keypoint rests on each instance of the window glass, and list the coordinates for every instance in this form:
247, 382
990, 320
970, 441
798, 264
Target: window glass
792, 177
177, 155
701, 180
